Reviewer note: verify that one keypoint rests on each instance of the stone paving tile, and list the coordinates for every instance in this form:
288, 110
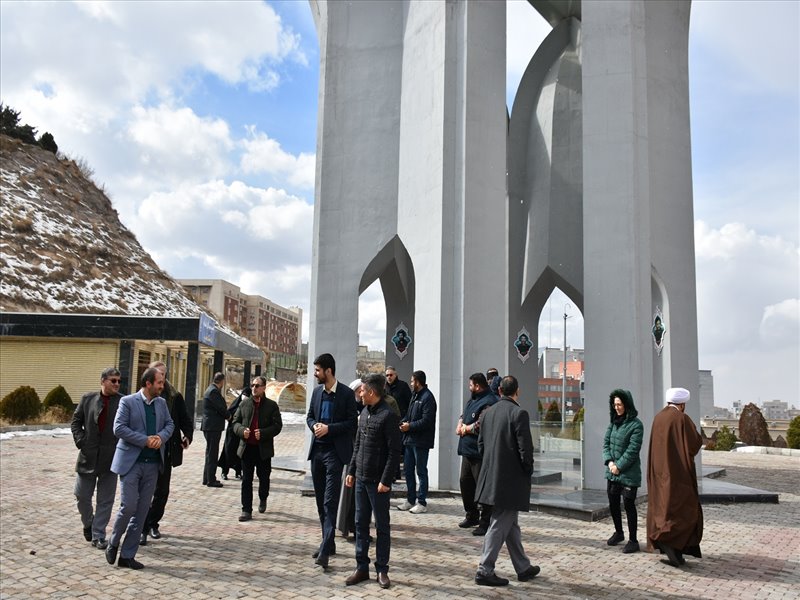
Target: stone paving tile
751, 550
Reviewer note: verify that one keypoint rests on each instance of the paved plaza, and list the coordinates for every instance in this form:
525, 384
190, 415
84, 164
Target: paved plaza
751, 550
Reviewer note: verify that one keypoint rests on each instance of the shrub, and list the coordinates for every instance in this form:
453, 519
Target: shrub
793, 434
58, 396
553, 414
725, 439
21, 405
47, 142
57, 414
577, 419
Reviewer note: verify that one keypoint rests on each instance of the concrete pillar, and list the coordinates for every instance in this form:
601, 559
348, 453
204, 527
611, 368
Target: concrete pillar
192, 369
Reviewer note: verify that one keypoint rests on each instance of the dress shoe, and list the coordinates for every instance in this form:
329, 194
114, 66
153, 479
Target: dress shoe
631, 547
87, 533
215, 484
111, 554
675, 557
143, 539
467, 523
316, 554
130, 563
491, 580
383, 580
322, 561
245, 516
262, 506
616, 538
529, 573
155, 533
356, 577
479, 530
100, 544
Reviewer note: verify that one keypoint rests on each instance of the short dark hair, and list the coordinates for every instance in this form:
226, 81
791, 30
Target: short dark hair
219, 377
492, 372
419, 376
326, 361
261, 380
509, 385
479, 379
109, 372
149, 376
376, 382
390, 368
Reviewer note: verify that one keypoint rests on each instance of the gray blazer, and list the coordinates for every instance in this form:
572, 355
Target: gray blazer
96, 450
507, 448
130, 426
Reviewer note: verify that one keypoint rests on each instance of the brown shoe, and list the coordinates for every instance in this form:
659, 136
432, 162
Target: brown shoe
383, 580
357, 576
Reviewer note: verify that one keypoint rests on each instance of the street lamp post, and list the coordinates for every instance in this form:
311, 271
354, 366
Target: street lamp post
564, 373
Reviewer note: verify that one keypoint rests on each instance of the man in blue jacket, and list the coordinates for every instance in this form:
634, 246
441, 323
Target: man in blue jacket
419, 432
143, 427
481, 398
332, 418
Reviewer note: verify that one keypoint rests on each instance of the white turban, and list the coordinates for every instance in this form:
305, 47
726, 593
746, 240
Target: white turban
677, 396
355, 384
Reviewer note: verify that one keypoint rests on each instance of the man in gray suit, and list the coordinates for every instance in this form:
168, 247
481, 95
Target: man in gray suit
143, 426
215, 413
92, 425
505, 482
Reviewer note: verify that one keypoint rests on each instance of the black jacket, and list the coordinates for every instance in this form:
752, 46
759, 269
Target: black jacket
269, 423
468, 444
215, 411
96, 449
421, 418
400, 391
183, 424
376, 452
343, 423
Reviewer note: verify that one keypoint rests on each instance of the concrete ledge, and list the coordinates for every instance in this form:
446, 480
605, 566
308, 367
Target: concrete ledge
765, 450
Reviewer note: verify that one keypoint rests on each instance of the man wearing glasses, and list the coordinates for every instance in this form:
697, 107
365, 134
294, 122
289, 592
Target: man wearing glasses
256, 423
92, 429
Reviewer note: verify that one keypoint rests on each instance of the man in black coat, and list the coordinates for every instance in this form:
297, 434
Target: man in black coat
504, 482
398, 389
332, 418
215, 413
180, 440
376, 454
92, 429
419, 432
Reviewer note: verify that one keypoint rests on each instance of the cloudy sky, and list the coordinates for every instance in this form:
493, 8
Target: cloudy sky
200, 120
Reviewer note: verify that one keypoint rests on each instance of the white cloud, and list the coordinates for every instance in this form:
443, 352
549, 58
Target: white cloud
780, 325
265, 155
526, 29
372, 317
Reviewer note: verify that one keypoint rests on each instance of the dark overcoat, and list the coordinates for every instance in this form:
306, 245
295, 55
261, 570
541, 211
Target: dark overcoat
215, 410
344, 420
507, 448
95, 454
674, 515
184, 426
269, 422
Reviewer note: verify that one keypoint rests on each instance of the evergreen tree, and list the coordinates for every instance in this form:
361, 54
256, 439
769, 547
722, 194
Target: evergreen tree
48, 142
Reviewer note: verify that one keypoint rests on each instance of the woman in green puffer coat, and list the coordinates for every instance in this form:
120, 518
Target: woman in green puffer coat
621, 448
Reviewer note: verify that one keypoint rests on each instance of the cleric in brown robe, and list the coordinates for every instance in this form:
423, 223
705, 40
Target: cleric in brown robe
674, 515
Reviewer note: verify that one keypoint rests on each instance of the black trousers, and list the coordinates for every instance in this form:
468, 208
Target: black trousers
252, 462
160, 497
212, 455
468, 480
628, 494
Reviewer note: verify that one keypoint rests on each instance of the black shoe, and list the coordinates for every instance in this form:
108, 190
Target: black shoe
100, 544
262, 506
529, 573
616, 538
87, 533
316, 554
111, 554
467, 523
130, 563
322, 561
245, 516
673, 555
155, 533
631, 547
491, 580
479, 530
215, 484
143, 539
